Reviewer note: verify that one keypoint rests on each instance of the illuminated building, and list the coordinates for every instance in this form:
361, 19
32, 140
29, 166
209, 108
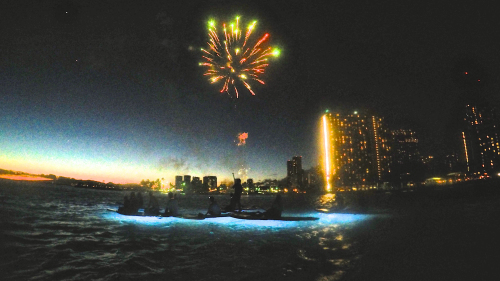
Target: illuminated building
294, 166
356, 151
407, 162
251, 186
405, 147
452, 162
178, 182
294, 171
210, 182
481, 138
196, 185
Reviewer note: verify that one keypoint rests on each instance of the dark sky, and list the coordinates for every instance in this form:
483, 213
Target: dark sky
98, 89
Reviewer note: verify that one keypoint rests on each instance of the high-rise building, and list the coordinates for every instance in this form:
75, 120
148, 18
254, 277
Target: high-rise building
294, 166
356, 150
196, 185
407, 165
178, 182
294, 171
210, 182
481, 138
310, 178
250, 184
186, 183
405, 147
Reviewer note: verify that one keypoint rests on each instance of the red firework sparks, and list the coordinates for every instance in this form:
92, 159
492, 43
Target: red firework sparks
242, 138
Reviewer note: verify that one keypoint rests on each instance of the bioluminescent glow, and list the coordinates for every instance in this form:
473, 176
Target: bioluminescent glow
342, 218
327, 154
234, 223
233, 59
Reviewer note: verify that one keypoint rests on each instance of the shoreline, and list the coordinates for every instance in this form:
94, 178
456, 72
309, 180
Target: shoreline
23, 178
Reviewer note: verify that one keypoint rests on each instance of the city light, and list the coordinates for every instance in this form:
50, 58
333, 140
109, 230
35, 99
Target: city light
375, 127
327, 154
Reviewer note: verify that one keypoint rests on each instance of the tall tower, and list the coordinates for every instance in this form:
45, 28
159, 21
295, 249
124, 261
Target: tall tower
178, 182
289, 168
187, 183
294, 170
481, 138
405, 146
406, 160
210, 182
298, 164
356, 150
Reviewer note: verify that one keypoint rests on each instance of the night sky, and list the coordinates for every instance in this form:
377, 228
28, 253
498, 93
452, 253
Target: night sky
112, 90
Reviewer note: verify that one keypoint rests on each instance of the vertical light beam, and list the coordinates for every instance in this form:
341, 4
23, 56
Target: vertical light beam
327, 154
466, 154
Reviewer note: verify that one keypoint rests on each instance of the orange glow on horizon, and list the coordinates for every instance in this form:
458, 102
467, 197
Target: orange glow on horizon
23, 178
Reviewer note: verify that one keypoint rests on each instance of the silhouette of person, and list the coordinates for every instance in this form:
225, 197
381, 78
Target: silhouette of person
172, 208
276, 208
238, 189
126, 206
140, 200
134, 203
213, 208
153, 205
232, 204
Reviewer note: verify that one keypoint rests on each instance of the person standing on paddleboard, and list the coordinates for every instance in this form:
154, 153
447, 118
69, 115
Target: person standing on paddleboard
238, 189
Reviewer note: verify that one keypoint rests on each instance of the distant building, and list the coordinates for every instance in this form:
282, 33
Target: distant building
294, 166
251, 186
178, 182
210, 183
295, 173
452, 162
407, 165
311, 179
186, 183
356, 150
197, 185
405, 147
481, 138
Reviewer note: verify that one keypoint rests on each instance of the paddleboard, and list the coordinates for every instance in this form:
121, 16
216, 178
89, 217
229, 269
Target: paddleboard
255, 217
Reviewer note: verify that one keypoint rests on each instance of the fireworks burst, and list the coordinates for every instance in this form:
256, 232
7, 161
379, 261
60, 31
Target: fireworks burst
236, 59
243, 173
242, 138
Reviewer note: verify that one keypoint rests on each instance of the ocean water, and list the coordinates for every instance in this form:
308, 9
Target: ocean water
50, 232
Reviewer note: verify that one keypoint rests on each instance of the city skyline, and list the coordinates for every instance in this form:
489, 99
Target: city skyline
114, 92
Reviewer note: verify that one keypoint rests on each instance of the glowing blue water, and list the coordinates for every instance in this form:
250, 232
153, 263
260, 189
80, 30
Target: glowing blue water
63, 233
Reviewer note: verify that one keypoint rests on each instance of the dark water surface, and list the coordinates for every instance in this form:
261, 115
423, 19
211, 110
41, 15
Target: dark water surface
63, 233
52, 232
